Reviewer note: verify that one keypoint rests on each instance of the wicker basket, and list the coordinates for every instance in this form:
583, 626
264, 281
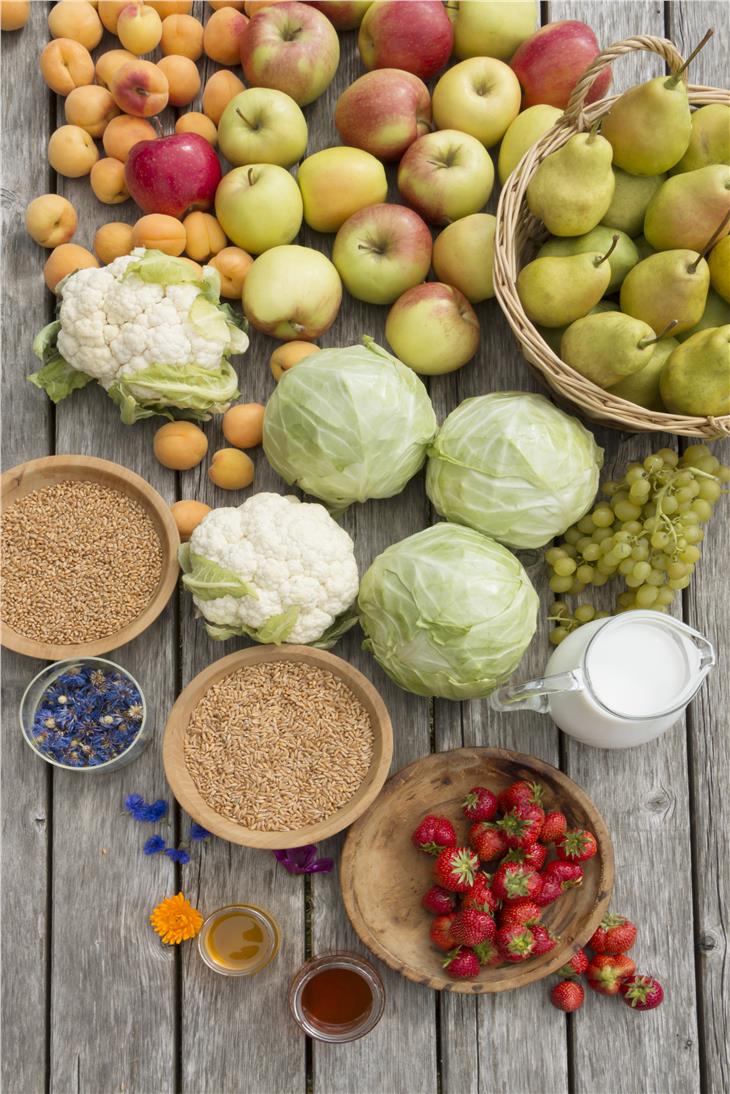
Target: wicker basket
518, 233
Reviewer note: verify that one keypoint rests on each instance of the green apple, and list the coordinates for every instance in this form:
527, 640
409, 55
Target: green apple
491, 28
463, 256
524, 131
433, 328
259, 207
292, 293
262, 125
336, 182
381, 251
480, 96
446, 175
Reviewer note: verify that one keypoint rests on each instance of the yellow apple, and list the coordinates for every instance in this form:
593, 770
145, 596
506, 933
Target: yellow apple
524, 131
480, 96
433, 329
336, 182
491, 28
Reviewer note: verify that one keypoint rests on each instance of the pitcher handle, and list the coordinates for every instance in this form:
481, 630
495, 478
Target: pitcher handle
535, 694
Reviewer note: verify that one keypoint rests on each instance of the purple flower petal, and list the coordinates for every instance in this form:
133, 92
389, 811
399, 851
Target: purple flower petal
303, 860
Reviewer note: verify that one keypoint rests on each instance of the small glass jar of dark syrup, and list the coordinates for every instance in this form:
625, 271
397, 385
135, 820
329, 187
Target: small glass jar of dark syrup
337, 997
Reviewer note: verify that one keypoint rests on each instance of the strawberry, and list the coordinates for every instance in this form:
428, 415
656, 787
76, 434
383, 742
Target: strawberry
576, 966
545, 940
440, 932
533, 856
434, 834
576, 845
521, 826
487, 840
480, 895
569, 874
472, 927
641, 992
553, 827
616, 934
455, 869
525, 912
606, 971
438, 901
479, 804
521, 791
515, 943
567, 996
488, 954
550, 891
515, 879
462, 964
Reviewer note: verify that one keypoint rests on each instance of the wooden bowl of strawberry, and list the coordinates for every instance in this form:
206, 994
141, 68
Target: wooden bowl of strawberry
477, 870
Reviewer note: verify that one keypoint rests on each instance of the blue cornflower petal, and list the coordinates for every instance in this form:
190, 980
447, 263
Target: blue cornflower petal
154, 845
197, 832
157, 810
134, 803
177, 854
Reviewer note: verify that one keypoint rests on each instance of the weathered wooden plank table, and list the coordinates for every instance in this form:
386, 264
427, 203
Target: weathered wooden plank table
91, 1001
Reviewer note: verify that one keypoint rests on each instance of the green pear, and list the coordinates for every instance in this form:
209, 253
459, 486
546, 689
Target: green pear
645, 249
710, 138
687, 208
553, 335
624, 256
606, 348
696, 378
572, 188
716, 314
642, 387
631, 196
556, 291
719, 263
523, 132
665, 286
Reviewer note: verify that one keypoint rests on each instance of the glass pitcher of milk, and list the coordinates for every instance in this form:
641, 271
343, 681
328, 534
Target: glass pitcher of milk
617, 682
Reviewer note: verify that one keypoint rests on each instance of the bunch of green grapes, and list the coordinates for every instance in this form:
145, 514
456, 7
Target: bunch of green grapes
647, 532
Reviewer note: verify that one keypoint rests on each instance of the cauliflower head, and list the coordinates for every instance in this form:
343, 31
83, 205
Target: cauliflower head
275, 569
150, 331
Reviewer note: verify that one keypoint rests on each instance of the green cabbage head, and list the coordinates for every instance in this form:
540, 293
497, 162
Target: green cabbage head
447, 612
513, 466
349, 424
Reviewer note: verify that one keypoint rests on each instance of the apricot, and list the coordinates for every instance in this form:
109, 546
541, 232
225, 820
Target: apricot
253, 6
90, 107
180, 445
243, 425
14, 14
78, 20
140, 88
231, 469
50, 220
219, 90
182, 35
160, 231
108, 182
171, 7
195, 122
222, 36
108, 64
187, 516
232, 263
182, 76
139, 28
109, 12
72, 152
123, 133
204, 236
112, 241
64, 260
287, 356
66, 64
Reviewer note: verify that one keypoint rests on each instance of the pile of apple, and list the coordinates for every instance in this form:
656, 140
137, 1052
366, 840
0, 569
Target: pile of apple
289, 53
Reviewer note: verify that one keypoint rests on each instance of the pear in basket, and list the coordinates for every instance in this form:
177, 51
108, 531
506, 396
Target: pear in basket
642, 387
649, 126
608, 347
631, 196
696, 378
557, 291
572, 188
665, 286
686, 209
716, 314
624, 257
719, 263
710, 139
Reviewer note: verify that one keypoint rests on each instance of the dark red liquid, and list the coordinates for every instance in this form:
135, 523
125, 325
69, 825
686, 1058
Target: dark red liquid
336, 997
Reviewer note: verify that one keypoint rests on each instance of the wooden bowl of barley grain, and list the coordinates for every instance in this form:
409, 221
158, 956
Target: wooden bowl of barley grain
89, 557
277, 746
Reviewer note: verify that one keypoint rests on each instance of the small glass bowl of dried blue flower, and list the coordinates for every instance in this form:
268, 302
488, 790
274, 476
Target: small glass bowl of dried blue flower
87, 714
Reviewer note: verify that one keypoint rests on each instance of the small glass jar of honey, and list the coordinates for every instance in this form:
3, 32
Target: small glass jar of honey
337, 997
239, 940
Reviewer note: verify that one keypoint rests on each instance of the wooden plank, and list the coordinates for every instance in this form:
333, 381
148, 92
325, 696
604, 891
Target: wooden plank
705, 603
123, 967
26, 781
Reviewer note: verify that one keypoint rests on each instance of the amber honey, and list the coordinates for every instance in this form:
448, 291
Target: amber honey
238, 940
337, 997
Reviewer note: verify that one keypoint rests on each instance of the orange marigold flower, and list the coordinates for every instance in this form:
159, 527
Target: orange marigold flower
175, 919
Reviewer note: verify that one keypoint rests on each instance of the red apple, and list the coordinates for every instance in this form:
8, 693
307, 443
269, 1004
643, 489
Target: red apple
342, 14
384, 112
173, 174
550, 63
412, 34
293, 48
433, 328
381, 251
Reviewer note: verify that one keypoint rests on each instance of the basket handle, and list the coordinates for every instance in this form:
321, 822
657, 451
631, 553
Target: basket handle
661, 46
